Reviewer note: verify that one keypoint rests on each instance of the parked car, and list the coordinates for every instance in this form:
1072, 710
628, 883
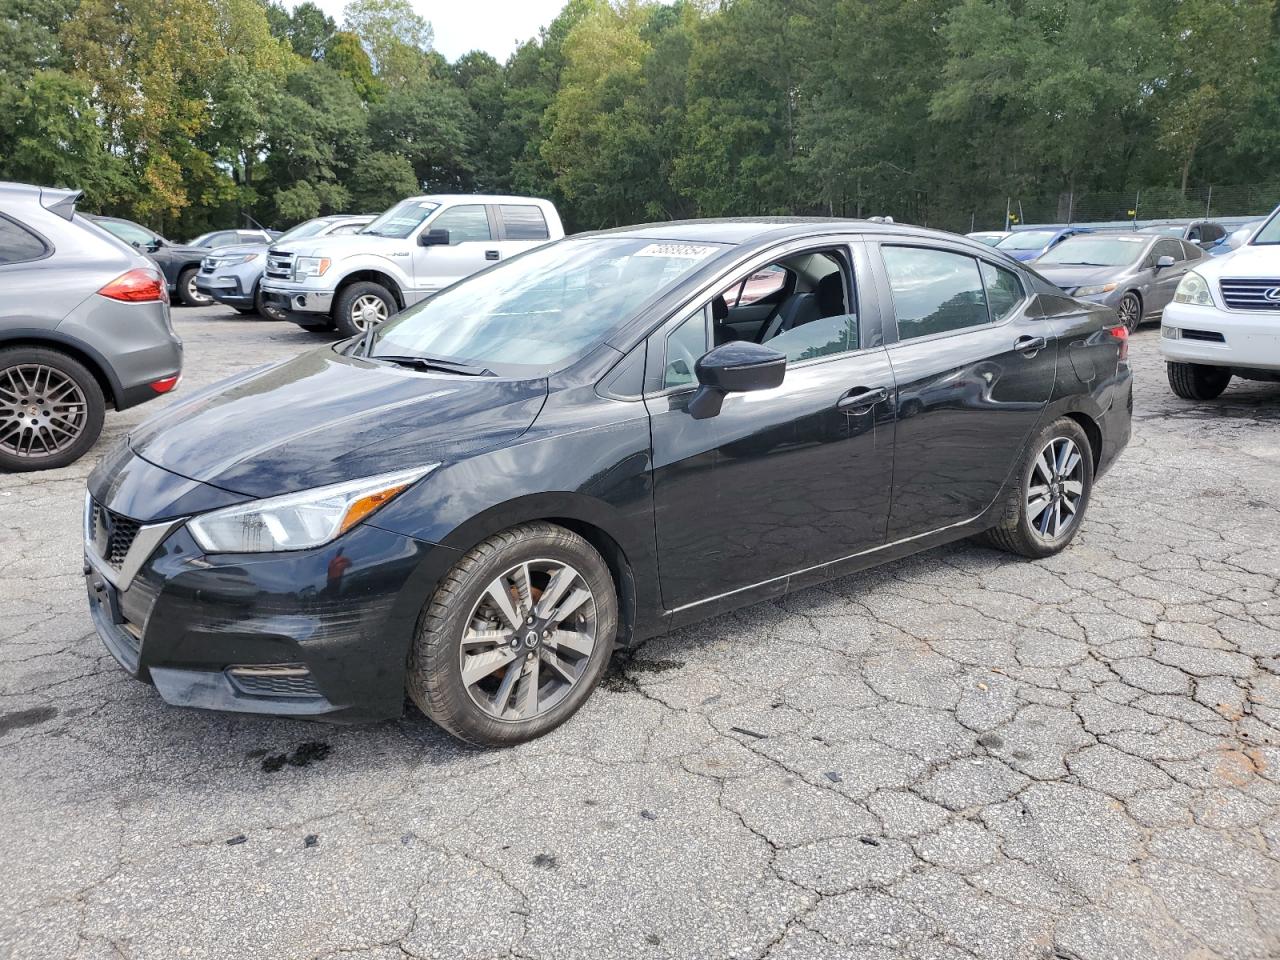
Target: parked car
84, 322
178, 263
1133, 273
1203, 233
1027, 245
415, 249
225, 238
1224, 320
233, 274
584, 446
1236, 239
989, 237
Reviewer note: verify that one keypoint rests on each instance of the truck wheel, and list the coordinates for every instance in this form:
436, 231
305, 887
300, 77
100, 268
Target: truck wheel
187, 291
360, 305
51, 409
1198, 381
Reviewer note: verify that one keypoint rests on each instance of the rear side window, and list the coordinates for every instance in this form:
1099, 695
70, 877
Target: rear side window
128, 232
1191, 252
1004, 290
523, 222
934, 291
18, 244
467, 223
1170, 248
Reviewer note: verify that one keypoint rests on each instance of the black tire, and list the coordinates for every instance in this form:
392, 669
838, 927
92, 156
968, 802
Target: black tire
352, 297
265, 310
1198, 381
1130, 310
187, 291
435, 672
1015, 532
84, 413
245, 311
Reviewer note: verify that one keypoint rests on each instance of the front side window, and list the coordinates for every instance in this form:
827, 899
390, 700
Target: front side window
685, 344
934, 291
1169, 248
522, 221
402, 219
466, 224
545, 308
18, 244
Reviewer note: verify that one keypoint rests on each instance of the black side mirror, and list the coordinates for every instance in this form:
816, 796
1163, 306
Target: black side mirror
736, 367
1165, 261
433, 238
155, 244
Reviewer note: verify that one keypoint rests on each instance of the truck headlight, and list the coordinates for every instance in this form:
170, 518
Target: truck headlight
1193, 288
310, 267
298, 521
1095, 290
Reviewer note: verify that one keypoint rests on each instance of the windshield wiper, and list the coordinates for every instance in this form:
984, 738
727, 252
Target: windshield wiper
1081, 263
432, 363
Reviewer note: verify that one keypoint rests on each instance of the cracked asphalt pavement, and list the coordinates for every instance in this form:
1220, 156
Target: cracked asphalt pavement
959, 755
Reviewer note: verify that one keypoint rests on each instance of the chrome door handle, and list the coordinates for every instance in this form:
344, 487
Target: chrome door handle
862, 399
1029, 346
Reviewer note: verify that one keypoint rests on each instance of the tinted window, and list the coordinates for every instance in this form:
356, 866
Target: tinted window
1212, 231
1191, 251
1169, 248
466, 224
523, 222
685, 344
1004, 290
18, 244
934, 291
834, 328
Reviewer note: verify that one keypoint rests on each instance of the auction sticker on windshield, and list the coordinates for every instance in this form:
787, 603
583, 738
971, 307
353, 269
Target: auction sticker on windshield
679, 251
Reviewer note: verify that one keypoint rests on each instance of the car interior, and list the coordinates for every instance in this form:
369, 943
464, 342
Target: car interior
781, 297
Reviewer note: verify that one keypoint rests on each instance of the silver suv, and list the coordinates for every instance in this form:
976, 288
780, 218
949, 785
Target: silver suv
84, 321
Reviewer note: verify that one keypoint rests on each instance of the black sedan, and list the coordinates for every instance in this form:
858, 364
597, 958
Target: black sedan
178, 262
585, 446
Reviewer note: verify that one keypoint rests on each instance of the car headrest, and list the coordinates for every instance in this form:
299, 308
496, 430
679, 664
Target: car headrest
719, 308
830, 295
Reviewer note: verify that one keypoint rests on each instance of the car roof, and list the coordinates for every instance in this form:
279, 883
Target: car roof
478, 198
739, 230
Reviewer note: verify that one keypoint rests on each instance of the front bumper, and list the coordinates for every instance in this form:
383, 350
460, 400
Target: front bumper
227, 288
318, 633
1223, 338
294, 299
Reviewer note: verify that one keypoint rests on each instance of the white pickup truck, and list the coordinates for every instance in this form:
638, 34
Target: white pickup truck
418, 247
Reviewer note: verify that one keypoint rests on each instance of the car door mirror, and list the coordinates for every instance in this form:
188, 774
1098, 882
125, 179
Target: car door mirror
736, 367
1163, 262
434, 238
155, 244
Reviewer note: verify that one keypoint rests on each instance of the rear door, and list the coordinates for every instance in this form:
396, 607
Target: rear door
519, 227
471, 240
974, 366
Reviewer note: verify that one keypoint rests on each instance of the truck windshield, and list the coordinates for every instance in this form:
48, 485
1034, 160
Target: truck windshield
541, 310
402, 219
307, 229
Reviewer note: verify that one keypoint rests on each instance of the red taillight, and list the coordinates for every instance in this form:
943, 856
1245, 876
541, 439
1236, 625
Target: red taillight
140, 285
1121, 333
167, 384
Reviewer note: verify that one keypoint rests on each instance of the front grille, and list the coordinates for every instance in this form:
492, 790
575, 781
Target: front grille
1208, 336
279, 265
112, 534
1251, 294
272, 680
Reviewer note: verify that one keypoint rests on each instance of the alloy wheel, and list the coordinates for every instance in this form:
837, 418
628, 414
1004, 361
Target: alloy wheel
1055, 488
194, 294
368, 310
528, 640
1129, 311
42, 411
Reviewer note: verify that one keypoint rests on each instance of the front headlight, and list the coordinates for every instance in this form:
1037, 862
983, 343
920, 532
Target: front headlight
1193, 288
247, 258
310, 267
297, 521
1095, 290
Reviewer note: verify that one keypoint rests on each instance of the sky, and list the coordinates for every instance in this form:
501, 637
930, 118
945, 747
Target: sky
495, 26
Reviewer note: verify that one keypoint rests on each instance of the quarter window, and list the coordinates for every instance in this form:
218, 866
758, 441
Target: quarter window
1004, 290
685, 344
128, 232
934, 291
523, 222
467, 223
18, 244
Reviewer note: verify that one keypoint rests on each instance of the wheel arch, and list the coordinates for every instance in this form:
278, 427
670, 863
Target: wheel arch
1091, 430
92, 360
373, 276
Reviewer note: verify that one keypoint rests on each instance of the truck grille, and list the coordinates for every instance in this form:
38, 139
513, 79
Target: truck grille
1250, 294
112, 534
279, 265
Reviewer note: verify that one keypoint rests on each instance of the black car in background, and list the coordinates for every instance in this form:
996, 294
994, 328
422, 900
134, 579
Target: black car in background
587, 445
179, 263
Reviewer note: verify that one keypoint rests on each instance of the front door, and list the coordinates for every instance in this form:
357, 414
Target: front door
782, 479
1167, 278
470, 238
974, 366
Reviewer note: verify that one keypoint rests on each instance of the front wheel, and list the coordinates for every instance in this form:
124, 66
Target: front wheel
1197, 381
1130, 311
51, 409
516, 637
188, 292
1043, 513
362, 305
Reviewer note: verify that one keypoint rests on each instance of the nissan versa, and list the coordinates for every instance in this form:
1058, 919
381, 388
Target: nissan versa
587, 445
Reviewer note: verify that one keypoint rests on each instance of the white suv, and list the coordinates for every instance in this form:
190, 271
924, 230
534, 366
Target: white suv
415, 249
1224, 320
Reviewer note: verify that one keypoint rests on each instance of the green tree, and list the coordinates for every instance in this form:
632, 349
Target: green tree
380, 180
426, 121
394, 36
306, 28
346, 56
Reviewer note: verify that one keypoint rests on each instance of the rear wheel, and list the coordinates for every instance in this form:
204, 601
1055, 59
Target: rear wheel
516, 636
51, 409
1043, 513
361, 305
1198, 381
188, 292
1130, 311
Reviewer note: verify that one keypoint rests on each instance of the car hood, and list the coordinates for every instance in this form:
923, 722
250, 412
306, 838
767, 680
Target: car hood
348, 245
1069, 276
1245, 262
237, 248
325, 418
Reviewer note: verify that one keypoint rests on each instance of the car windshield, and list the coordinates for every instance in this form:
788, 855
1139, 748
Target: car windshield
541, 310
1026, 240
1270, 233
402, 219
308, 229
1168, 230
990, 239
1095, 251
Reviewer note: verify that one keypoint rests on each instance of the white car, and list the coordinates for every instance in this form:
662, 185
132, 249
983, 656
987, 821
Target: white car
415, 249
1224, 320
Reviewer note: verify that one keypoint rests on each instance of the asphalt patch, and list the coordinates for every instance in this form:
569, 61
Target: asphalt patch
18, 719
305, 754
546, 861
